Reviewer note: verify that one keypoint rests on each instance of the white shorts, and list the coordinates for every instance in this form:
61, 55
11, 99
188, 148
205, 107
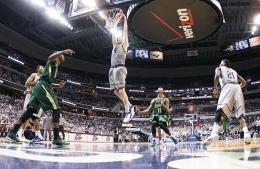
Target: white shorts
117, 77
231, 100
26, 102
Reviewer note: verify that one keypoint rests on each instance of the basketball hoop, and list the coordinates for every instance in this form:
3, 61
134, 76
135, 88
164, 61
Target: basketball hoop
112, 18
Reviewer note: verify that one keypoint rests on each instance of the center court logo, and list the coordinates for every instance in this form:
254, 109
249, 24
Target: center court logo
186, 22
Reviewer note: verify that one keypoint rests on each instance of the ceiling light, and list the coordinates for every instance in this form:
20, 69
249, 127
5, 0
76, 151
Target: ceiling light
257, 19
102, 14
40, 3
254, 28
53, 14
89, 3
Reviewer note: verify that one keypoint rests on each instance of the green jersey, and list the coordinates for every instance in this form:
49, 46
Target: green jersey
158, 111
49, 73
43, 95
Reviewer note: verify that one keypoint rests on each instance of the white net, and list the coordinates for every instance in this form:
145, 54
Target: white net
113, 17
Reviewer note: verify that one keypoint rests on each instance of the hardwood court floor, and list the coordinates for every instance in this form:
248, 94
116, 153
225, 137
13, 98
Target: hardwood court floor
220, 155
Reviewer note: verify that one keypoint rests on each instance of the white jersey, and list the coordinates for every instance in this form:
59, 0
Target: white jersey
231, 99
28, 91
226, 75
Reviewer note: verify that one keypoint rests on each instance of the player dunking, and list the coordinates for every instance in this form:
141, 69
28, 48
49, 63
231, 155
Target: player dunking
30, 82
44, 97
231, 97
118, 71
160, 108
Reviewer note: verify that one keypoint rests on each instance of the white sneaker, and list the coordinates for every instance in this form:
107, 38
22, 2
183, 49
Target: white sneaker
210, 139
247, 138
22, 138
129, 115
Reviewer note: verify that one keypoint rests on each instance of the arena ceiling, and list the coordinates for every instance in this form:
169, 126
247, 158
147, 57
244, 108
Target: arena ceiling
91, 43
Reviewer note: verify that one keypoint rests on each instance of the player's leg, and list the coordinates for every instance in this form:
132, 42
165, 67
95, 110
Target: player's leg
36, 121
61, 128
25, 116
164, 127
240, 113
36, 127
224, 109
48, 101
20, 132
120, 76
153, 129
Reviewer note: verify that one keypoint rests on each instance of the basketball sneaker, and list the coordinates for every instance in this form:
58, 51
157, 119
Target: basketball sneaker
129, 115
22, 138
12, 137
213, 137
247, 138
154, 142
60, 142
174, 140
36, 140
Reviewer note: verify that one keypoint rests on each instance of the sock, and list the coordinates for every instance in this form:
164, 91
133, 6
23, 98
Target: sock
215, 129
15, 128
20, 132
38, 134
56, 133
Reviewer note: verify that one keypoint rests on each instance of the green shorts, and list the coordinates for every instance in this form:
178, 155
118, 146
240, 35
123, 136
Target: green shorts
43, 97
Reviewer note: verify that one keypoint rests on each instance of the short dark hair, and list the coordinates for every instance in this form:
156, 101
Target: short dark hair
226, 62
38, 67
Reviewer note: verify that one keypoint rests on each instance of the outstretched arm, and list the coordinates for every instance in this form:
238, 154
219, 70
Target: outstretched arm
58, 85
216, 81
242, 81
60, 54
125, 34
114, 35
148, 110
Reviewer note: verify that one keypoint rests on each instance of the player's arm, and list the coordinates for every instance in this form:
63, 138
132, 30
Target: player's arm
30, 81
242, 81
166, 105
60, 54
146, 111
58, 85
216, 81
125, 34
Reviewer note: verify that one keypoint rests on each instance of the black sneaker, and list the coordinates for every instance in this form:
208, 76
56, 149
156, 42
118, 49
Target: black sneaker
12, 137
36, 140
60, 142
174, 140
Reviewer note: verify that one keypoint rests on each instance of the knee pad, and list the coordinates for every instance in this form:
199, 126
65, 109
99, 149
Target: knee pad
56, 116
218, 115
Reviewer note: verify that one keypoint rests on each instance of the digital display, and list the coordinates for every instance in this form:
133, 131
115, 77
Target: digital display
254, 41
240, 45
142, 53
156, 55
